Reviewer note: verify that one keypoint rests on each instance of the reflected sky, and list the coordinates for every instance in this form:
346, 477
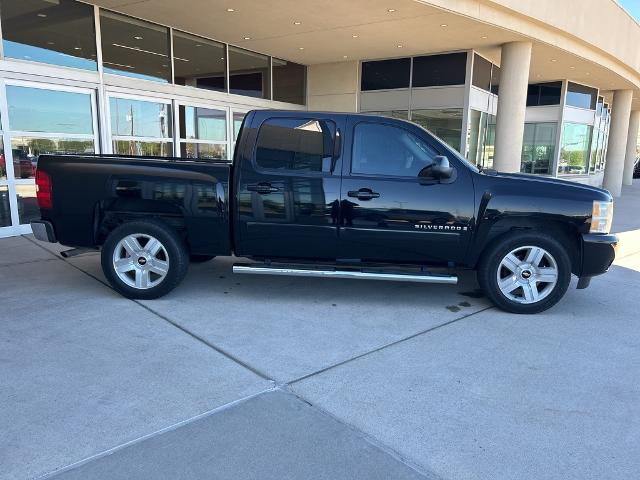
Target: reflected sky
37, 54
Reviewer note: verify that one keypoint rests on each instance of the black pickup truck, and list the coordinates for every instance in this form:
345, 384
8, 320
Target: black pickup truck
329, 195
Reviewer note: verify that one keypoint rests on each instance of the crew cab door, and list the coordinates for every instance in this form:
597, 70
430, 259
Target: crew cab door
287, 200
389, 213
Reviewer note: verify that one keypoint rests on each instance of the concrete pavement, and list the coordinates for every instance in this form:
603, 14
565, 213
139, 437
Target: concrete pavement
247, 377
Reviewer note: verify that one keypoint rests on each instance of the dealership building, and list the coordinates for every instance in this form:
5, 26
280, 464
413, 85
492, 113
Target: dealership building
547, 87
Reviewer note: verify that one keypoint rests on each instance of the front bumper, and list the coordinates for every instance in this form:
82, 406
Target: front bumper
43, 231
598, 253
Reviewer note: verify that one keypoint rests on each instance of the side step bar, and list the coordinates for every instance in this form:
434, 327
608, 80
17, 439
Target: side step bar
332, 273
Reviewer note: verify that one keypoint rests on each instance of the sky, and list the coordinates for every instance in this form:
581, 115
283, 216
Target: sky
632, 6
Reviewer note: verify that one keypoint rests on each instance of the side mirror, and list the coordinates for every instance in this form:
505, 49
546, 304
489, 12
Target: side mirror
440, 169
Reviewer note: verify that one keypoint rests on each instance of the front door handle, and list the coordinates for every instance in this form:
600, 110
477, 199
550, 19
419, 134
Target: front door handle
363, 194
262, 188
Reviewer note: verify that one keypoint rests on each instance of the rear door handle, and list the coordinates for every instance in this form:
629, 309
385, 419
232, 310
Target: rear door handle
262, 188
363, 194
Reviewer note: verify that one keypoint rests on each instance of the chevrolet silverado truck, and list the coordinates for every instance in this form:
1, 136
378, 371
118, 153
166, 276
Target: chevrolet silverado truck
330, 195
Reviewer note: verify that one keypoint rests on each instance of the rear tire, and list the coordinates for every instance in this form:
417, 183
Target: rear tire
144, 259
525, 272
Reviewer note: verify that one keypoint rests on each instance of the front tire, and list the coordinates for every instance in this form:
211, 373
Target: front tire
144, 259
525, 272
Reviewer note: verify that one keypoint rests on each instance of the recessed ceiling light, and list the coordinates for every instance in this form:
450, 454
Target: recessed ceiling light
42, 15
354, 36
138, 37
554, 60
444, 25
391, 10
77, 48
400, 46
484, 37
345, 56
572, 67
221, 58
231, 9
300, 48
588, 73
297, 23
247, 38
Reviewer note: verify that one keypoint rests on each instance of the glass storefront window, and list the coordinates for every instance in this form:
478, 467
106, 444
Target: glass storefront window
199, 62
581, 96
40, 110
238, 117
446, 124
27, 203
481, 73
439, 70
385, 74
542, 94
59, 32
495, 79
203, 132
140, 127
134, 48
574, 149
481, 137
45, 121
289, 82
538, 147
5, 208
249, 73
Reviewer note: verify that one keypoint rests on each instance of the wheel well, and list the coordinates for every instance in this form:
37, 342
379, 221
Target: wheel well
110, 220
565, 233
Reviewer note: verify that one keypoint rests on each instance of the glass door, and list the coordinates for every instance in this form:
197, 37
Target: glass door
39, 119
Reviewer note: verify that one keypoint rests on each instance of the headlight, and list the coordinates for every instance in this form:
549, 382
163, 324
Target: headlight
601, 217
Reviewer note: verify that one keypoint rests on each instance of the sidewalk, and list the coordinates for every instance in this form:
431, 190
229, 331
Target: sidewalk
236, 378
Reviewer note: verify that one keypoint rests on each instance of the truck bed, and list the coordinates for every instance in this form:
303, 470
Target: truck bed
92, 192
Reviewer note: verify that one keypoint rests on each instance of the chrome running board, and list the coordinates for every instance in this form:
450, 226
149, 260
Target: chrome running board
261, 269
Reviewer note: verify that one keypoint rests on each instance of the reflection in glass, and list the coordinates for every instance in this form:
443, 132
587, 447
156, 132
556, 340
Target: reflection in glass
203, 150
141, 148
199, 62
481, 72
574, 149
59, 32
540, 94
27, 203
134, 48
237, 123
538, 148
41, 110
3, 162
26, 151
249, 73
203, 123
581, 96
5, 208
446, 124
137, 118
386, 74
289, 82
481, 138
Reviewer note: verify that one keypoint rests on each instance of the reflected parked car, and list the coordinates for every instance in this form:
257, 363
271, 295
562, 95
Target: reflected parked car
22, 164
3, 166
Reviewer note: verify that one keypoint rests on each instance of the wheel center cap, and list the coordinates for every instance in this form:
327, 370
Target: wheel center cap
142, 261
526, 274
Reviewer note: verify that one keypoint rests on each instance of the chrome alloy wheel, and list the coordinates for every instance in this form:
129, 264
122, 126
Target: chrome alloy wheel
140, 261
527, 274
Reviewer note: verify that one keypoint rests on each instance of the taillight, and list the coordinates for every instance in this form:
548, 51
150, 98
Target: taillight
43, 189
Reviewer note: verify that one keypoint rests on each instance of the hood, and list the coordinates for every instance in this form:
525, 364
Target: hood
551, 181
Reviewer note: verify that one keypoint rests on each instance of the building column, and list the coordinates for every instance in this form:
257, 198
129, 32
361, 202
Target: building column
618, 133
632, 148
512, 105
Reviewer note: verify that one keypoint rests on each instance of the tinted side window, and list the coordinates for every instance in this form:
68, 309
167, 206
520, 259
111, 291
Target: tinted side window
300, 144
388, 150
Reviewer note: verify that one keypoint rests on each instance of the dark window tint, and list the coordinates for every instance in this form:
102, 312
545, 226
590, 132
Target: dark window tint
199, 62
581, 96
289, 81
249, 73
300, 144
386, 74
134, 48
540, 94
58, 32
495, 79
481, 73
434, 70
388, 150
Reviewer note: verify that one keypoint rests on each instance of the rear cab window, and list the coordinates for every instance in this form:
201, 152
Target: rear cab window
300, 145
